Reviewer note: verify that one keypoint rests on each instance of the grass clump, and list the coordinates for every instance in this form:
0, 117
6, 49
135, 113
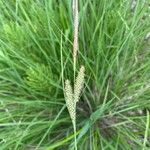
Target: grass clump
38, 78
113, 111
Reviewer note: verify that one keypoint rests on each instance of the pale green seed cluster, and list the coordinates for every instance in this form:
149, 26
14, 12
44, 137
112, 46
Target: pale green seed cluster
73, 97
79, 84
69, 100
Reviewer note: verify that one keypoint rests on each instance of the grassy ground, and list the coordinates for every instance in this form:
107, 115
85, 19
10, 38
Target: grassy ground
113, 113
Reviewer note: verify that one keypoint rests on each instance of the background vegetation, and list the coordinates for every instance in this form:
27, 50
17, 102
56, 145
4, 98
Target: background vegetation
113, 113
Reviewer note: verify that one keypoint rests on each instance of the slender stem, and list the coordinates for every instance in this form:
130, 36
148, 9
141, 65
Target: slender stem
75, 138
62, 66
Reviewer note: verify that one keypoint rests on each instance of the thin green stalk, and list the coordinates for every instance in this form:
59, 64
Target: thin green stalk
75, 132
147, 129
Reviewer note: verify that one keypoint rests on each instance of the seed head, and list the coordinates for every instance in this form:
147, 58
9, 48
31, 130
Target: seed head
69, 100
79, 84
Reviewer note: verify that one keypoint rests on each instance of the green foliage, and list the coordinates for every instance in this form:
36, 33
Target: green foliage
38, 78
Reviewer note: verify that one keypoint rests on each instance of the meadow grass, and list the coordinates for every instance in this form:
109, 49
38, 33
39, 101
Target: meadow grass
36, 55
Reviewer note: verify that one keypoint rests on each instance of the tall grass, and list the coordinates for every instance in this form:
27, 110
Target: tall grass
113, 112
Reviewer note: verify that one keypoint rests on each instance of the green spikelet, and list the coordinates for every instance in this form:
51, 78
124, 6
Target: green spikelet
69, 100
79, 84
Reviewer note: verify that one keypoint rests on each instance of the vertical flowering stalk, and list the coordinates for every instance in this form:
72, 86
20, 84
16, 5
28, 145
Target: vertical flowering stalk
72, 95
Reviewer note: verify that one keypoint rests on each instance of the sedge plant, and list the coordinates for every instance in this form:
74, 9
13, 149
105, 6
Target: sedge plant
115, 50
